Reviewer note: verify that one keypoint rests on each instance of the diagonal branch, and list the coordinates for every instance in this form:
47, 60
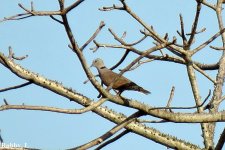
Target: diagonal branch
208, 41
203, 73
221, 141
71, 7
121, 60
113, 139
111, 132
102, 24
16, 87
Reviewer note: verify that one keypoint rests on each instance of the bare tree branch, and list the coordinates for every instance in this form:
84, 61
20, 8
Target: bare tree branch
102, 24
195, 24
54, 109
111, 132
74, 5
182, 34
204, 2
170, 98
113, 139
207, 42
170, 51
16, 87
221, 141
121, 60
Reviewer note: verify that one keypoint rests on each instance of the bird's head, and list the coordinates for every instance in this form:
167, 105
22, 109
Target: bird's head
98, 63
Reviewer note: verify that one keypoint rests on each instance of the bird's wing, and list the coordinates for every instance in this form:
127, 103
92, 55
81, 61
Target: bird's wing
108, 76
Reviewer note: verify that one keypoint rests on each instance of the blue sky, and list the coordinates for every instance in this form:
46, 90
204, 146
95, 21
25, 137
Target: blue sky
45, 42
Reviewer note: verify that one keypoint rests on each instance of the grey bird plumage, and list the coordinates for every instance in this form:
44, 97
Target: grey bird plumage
121, 83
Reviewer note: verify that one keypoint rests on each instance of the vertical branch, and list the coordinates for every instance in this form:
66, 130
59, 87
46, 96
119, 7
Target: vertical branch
194, 85
195, 24
170, 98
204, 126
182, 32
217, 93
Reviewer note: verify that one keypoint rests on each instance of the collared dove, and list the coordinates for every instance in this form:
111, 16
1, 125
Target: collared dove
121, 83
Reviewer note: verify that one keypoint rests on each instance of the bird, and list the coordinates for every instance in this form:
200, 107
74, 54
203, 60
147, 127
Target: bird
120, 84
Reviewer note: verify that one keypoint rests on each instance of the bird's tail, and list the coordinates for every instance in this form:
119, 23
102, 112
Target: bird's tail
134, 86
140, 89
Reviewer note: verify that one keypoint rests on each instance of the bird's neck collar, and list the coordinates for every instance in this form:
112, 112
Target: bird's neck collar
103, 67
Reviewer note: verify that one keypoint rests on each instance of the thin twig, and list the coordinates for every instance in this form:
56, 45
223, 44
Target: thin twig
137, 42
197, 32
121, 60
203, 73
113, 139
75, 4
195, 24
86, 81
114, 7
139, 63
54, 109
15, 87
217, 48
26, 10
1, 139
12, 55
102, 24
207, 42
57, 20
5, 101
192, 107
182, 34
170, 98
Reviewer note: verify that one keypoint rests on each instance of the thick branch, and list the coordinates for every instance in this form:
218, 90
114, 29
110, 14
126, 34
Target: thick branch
74, 96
